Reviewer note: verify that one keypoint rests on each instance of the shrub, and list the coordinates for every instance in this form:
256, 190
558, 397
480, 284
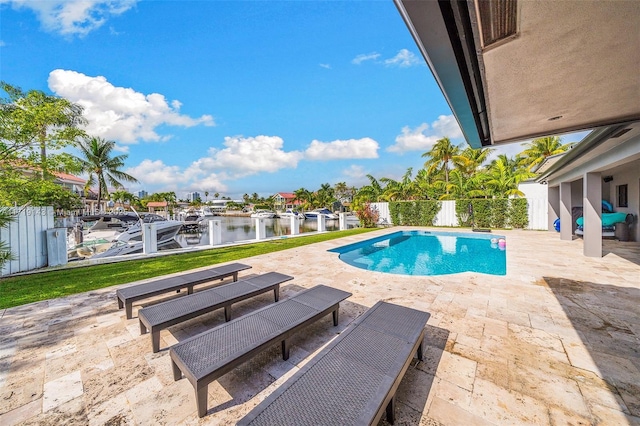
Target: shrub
368, 216
519, 213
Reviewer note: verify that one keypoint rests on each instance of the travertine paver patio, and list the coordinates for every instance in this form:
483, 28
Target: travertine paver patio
556, 341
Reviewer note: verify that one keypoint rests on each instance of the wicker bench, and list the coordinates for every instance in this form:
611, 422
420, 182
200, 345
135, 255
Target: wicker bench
353, 380
163, 315
207, 356
126, 296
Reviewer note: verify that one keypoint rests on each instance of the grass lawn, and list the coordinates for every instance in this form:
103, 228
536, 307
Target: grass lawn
20, 290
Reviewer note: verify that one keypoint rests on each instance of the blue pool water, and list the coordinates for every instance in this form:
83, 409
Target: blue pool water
428, 253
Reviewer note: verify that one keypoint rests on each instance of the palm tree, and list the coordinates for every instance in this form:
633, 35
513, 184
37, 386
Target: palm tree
405, 189
102, 168
440, 156
504, 175
373, 192
539, 149
303, 196
5, 250
471, 160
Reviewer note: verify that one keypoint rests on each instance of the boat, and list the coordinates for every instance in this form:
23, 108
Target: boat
265, 214
107, 226
128, 241
290, 213
326, 213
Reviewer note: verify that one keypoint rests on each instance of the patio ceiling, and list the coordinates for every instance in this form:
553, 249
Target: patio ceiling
515, 70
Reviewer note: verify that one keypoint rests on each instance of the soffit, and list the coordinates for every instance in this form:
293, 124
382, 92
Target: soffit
575, 59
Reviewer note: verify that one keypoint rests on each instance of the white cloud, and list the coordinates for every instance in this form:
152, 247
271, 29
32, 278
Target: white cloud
355, 172
422, 138
2, 43
327, 66
365, 57
119, 113
447, 125
413, 140
247, 156
74, 17
342, 149
155, 175
403, 59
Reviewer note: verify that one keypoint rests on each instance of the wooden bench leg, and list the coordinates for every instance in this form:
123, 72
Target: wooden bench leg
391, 410
276, 293
201, 401
129, 309
120, 303
190, 289
155, 340
420, 356
235, 276
143, 328
177, 373
335, 316
227, 313
285, 349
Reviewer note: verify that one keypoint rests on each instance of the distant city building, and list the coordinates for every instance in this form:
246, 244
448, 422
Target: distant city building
193, 196
142, 194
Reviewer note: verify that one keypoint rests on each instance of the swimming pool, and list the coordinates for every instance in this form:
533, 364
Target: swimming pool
428, 253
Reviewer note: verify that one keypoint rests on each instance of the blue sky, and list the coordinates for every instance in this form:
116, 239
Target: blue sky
236, 97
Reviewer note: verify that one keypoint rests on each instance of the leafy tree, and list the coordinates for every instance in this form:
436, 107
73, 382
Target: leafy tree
216, 195
440, 156
19, 188
102, 168
303, 196
33, 122
324, 196
539, 149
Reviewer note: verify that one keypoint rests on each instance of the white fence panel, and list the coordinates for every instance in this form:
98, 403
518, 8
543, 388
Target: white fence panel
537, 211
538, 214
447, 214
383, 211
25, 236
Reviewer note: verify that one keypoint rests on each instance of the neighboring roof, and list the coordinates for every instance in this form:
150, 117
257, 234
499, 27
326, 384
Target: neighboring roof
157, 204
568, 65
66, 177
286, 195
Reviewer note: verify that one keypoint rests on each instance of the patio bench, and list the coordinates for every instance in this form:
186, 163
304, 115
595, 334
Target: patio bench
158, 317
353, 380
207, 356
126, 296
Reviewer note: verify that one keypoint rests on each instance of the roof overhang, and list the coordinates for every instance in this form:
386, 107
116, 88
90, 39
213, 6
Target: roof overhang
516, 70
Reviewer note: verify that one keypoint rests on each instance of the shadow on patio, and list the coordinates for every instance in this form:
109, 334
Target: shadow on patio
607, 320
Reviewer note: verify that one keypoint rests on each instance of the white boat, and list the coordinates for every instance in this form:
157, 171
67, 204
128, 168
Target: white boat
128, 241
107, 226
328, 214
266, 214
290, 213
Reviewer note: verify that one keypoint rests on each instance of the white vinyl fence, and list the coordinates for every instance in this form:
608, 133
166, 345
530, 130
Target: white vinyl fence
25, 235
447, 214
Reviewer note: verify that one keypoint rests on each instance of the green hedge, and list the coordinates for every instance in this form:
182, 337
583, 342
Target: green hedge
480, 213
414, 213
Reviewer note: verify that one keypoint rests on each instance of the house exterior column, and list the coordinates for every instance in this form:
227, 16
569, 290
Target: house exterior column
553, 206
592, 214
566, 226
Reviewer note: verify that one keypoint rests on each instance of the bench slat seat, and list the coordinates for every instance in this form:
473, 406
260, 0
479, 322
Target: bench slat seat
209, 355
354, 379
158, 317
126, 296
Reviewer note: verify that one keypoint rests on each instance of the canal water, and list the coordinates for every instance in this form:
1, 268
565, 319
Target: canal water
244, 228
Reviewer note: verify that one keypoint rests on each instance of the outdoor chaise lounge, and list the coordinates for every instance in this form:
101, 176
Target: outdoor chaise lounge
126, 296
158, 317
353, 380
207, 356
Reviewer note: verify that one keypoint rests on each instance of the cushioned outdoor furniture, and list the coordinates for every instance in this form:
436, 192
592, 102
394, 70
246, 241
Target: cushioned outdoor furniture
353, 380
126, 296
207, 356
158, 317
